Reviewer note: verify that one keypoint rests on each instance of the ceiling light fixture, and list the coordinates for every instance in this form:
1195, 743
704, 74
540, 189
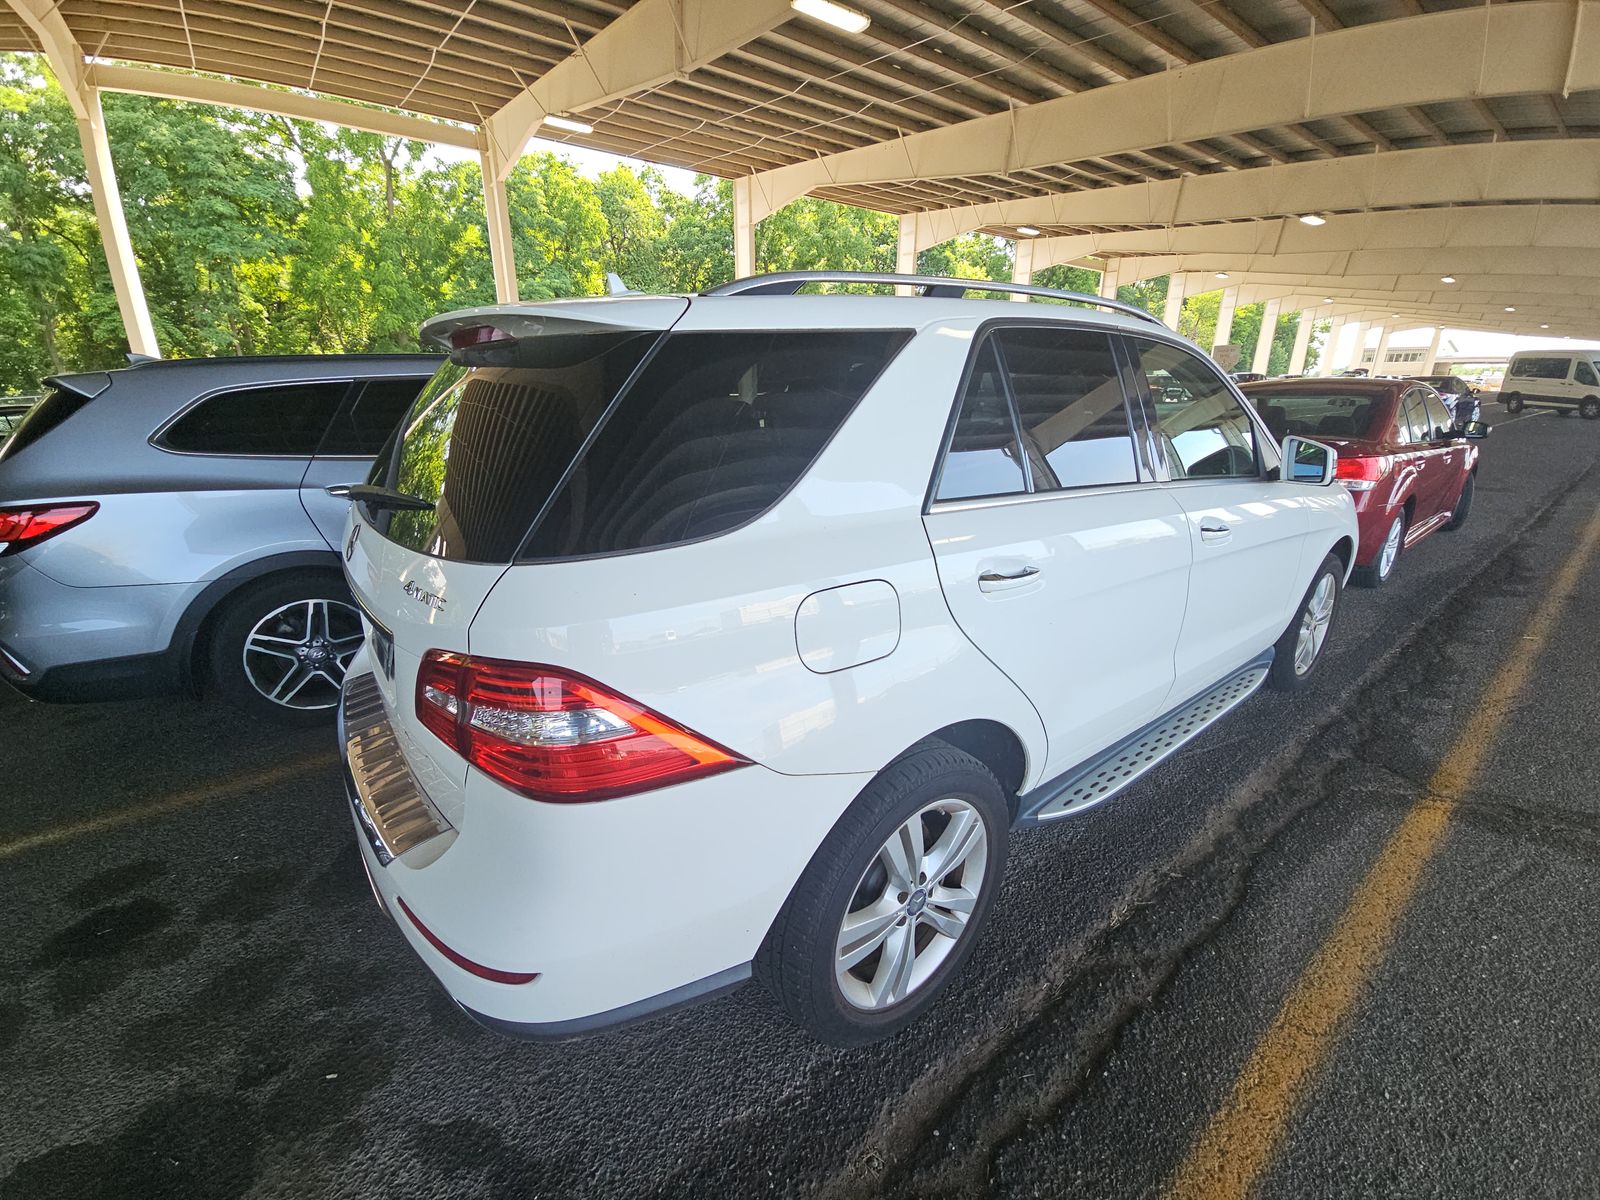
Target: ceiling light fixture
1028, 230
829, 13
1447, 279
1544, 327
1510, 308
1222, 275
570, 124
1313, 219
1327, 299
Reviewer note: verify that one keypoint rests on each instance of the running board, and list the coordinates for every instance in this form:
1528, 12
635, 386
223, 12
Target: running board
1101, 778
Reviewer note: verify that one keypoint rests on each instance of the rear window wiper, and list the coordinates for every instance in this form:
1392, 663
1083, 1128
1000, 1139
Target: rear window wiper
382, 497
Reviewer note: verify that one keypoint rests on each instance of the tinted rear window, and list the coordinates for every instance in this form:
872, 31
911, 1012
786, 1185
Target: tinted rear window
715, 430
58, 404
1321, 414
362, 426
283, 420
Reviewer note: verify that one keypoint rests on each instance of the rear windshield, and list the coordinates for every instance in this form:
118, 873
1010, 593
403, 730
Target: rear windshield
711, 432
1320, 414
58, 404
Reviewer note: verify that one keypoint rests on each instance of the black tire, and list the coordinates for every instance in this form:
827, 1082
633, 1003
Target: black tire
244, 613
1284, 676
1589, 408
796, 960
1513, 403
1463, 508
1375, 576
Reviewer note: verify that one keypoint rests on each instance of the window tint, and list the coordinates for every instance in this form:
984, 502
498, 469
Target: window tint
1070, 405
1201, 429
1584, 374
1440, 422
285, 420
58, 404
1319, 413
364, 424
1412, 420
983, 459
715, 430
1540, 368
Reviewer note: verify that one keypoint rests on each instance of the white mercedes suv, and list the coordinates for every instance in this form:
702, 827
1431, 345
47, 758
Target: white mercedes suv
737, 633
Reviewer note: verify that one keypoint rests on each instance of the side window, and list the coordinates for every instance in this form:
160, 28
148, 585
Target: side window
1201, 429
984, 458
1413, 420
1440, 422
364, 424
1070, 405
286, 420
1584, 374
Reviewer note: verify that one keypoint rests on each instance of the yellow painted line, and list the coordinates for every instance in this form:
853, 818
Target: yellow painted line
192, 798
1238, 1145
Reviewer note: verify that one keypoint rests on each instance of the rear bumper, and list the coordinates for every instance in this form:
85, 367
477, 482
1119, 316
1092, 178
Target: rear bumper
68, 644
620, 910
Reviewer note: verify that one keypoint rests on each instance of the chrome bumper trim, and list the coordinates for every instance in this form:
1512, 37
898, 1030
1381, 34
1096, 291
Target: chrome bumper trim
394, 811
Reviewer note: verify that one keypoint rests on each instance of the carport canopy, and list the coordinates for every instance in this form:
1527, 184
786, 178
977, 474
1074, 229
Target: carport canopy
1391, 162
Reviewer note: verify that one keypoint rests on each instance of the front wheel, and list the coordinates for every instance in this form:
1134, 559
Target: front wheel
1589, 408
1299, 651
893, 900
279, 649
1513, 403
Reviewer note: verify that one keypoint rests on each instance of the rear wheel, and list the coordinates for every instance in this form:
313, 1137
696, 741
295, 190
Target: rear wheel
1394, 541
1589, 408
1299, 651
1513, 403
893, 901
1458, 517
280, 648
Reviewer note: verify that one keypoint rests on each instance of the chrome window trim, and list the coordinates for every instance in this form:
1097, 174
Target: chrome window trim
1102, 489
155, 438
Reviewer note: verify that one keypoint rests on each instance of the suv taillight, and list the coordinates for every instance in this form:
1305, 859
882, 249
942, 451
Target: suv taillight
555, 736
1360, 474
30, 524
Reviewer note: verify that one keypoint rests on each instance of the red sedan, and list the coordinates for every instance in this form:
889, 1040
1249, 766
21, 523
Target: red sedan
1408, 465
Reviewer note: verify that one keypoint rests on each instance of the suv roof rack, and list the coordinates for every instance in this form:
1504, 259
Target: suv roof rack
787, 283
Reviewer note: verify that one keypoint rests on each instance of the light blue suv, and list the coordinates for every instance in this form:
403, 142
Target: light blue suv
175, 525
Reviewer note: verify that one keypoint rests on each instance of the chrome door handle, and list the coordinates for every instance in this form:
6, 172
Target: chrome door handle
339, 490
1215, 531
995, 581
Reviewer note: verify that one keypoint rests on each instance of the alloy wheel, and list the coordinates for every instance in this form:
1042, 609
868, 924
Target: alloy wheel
296, 655
1314, 623
912, 905
1391, 547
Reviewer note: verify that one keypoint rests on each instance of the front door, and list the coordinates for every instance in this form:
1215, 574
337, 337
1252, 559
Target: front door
1061, 557
1248, 532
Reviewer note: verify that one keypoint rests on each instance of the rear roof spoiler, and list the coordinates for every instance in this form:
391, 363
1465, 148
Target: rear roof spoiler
621, 314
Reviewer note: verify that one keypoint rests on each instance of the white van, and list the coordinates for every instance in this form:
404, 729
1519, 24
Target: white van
1560, 379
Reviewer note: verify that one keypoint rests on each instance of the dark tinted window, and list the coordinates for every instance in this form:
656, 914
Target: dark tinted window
364, 424
1541, 368
1328, 413
715, 430
285, 420
983, 459
1584, 374
491, 436
1070, 405
58, 404
1201, 428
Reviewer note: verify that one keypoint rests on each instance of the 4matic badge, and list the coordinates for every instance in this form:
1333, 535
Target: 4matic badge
431, 599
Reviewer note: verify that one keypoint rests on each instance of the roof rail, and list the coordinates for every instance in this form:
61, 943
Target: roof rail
787, 283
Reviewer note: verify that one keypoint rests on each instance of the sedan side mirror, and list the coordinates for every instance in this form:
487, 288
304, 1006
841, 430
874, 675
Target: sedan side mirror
1476, 430
1306, 461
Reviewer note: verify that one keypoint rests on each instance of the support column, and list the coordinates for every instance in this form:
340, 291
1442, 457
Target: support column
1022, 265
1230, 301
1108, 280
1269, 327
744, 230
1173, 312
1330, 349
497, 216
1302, 341
113, 224
1385, 332
1351, 355
1432, 355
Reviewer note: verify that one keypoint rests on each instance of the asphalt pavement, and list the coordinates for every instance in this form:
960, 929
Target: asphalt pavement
198, 996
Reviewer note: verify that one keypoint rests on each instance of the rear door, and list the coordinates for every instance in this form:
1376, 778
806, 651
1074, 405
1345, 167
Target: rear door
358, 430
1060, 556
1247, 531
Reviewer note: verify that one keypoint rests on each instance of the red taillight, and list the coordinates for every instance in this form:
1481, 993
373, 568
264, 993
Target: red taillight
478, 335
28, 525
493, 974
553, 735
1360, 474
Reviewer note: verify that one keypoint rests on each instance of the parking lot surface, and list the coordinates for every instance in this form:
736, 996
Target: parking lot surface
198, 996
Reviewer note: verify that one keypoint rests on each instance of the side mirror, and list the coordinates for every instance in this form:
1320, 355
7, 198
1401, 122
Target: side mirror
1306, 461
1476, 430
